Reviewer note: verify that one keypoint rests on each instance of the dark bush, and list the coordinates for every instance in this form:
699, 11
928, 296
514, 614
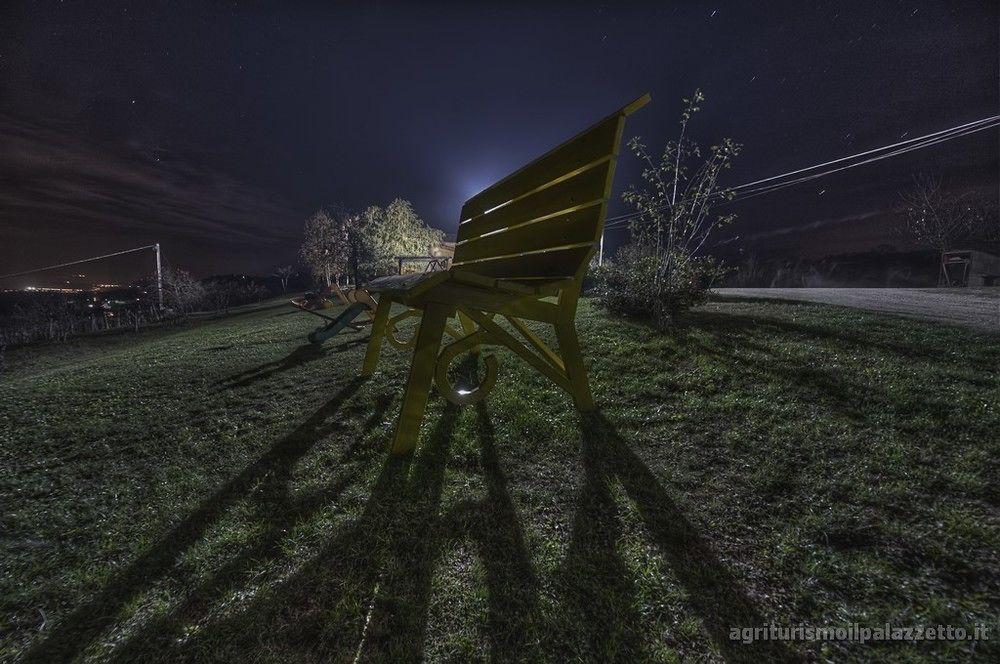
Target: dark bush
635, 284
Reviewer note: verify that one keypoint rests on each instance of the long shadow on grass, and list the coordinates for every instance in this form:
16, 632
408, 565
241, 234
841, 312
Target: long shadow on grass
271, 473
398, 617
600, 617
513, 587
302, 355
366, 595
365, 592
877, 335
397, 621
492, 523
714, 593
735, 342
280, 514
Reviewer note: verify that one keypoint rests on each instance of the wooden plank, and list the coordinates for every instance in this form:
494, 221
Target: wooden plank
564, 230
548, 264
551, 287
529, 307
593, 144
585, 187
537, 342
378, 332
557, 375
407, 285
561, 230
473, 279
418, 385
635, 104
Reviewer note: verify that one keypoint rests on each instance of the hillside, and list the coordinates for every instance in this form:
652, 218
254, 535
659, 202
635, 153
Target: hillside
221, 491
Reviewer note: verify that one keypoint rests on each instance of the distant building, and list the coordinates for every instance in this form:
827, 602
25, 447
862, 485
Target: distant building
969, 267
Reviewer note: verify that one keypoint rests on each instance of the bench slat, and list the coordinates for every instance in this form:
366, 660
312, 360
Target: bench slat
584, 187
560, 230
590, 146
543, 265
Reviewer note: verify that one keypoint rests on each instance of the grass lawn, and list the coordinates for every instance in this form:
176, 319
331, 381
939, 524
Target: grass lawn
221, 492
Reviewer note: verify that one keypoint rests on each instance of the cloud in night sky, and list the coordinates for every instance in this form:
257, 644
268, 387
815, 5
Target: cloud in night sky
215, 128
137, 191
812, 225
851, 232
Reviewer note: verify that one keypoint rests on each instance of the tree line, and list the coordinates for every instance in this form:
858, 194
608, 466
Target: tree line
341, 246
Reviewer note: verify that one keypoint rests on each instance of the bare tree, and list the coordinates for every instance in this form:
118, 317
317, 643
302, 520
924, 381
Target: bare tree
937, 219
181, 290
284, 273
940, 220
326, 245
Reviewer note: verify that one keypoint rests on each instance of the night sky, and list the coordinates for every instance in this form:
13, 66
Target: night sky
216, 128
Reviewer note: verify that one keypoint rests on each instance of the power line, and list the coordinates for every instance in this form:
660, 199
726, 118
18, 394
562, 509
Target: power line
766, 189
154, 247
959, 128
759, 187
924, 141
937, 137
992, 122
84, 260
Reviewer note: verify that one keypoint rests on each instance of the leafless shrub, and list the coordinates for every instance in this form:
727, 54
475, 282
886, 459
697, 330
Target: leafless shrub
181, 291
662, 272
284, 273
223, 294
751, 272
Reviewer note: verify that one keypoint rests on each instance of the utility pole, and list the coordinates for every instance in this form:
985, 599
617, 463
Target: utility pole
600, 253
159, 275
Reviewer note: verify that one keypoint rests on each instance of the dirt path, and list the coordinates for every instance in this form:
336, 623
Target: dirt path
978, 308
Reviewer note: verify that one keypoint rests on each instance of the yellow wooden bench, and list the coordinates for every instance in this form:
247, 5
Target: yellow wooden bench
523, 248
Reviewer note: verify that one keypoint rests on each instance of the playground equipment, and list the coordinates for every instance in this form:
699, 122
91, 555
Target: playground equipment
523, 248
357, 301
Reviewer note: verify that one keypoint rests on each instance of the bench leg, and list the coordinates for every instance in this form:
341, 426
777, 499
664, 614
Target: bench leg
468, 327
418, 385
569, 346
378, 333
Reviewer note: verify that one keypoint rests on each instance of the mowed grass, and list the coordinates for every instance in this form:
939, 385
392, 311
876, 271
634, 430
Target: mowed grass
222, 492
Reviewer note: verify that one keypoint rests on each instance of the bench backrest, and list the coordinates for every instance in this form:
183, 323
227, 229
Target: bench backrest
543, 221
